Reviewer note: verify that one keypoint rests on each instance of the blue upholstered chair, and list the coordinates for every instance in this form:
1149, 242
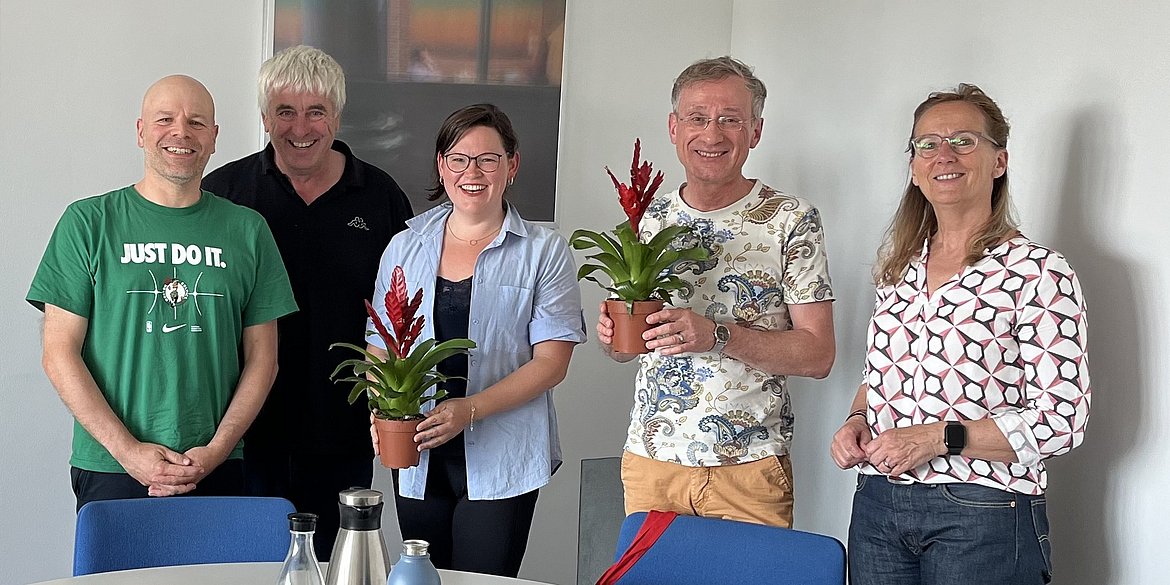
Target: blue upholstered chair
113, 535
710, 551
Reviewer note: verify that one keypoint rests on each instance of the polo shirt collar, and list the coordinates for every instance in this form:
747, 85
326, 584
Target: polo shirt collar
352, 176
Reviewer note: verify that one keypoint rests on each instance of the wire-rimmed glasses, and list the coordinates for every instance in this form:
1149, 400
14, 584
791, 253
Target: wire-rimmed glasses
962, 142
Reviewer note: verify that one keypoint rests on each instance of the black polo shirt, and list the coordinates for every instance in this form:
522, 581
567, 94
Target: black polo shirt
331, 249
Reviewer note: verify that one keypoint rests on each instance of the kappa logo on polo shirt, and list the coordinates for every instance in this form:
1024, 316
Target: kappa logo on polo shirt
358, 222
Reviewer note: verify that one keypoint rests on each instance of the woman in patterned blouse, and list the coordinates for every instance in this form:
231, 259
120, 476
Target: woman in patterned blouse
975, 370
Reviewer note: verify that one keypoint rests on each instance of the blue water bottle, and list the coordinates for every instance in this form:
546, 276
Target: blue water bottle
414, 566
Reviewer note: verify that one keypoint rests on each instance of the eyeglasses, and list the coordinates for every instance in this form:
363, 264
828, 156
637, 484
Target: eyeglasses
964, 142
725, 123
487, 162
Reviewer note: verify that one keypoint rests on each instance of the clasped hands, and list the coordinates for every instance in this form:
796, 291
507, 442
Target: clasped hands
166, 472
892, 452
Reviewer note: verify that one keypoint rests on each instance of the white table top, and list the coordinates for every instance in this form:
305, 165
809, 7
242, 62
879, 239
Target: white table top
242, 574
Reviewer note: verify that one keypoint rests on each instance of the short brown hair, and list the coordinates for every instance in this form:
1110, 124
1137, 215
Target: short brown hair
456, 126
718, 69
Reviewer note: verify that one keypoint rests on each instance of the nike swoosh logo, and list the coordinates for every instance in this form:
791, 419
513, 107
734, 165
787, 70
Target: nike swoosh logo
168, 328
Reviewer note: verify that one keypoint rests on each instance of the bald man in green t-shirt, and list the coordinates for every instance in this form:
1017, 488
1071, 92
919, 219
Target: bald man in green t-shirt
152, 295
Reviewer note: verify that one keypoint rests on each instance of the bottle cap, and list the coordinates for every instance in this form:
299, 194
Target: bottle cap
415, 548
302, 522
360, 497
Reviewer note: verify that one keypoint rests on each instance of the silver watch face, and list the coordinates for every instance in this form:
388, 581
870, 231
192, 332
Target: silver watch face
722, 334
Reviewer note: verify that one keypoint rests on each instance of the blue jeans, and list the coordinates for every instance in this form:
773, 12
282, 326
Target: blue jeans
921, 534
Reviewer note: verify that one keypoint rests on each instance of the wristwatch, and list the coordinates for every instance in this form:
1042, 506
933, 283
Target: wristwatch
955, 437
722, 336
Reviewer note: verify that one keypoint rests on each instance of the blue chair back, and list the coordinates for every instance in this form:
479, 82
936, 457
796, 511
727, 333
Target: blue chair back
114, 535
711, 551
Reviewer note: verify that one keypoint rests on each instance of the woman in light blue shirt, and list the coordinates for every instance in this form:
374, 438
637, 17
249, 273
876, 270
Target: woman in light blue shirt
511, 287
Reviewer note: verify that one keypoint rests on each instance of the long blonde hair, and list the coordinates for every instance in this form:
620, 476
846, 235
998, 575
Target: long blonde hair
915, 221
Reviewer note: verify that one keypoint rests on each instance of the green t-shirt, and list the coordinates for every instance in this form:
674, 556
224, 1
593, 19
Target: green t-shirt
168, 293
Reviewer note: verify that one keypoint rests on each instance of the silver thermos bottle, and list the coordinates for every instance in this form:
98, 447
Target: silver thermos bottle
359, 553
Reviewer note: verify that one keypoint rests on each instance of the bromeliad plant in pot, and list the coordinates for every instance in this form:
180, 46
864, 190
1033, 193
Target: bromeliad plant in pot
396, 387
639, 272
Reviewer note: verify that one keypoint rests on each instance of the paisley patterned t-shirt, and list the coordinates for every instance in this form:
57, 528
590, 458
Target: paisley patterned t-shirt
767, 251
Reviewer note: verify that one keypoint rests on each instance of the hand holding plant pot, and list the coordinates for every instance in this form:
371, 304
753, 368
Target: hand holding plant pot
398, 385
639, 272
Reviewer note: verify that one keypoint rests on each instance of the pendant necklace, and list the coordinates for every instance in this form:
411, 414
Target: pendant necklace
473, 241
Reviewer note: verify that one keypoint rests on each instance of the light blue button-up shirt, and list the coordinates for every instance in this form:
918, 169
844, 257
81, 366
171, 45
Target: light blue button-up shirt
524, 291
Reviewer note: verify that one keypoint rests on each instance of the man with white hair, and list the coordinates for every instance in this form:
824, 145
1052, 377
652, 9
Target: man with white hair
332, 215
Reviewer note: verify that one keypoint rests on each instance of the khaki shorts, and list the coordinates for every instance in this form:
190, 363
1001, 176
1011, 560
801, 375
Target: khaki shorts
759, 492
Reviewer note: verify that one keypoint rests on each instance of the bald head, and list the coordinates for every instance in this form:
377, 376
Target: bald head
179, 86
177, 131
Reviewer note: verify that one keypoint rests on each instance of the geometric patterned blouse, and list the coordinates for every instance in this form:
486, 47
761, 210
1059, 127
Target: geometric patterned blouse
1004, 339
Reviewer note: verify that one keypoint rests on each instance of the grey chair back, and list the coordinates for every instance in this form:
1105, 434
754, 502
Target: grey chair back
602, 510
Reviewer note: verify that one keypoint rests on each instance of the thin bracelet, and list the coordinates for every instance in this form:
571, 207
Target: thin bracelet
859, 412
471, 425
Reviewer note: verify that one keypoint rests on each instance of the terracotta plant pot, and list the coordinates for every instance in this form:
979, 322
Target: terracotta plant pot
396, 446
628, 328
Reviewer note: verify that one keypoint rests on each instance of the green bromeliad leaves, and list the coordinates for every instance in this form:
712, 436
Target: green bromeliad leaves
397, 387
637, 270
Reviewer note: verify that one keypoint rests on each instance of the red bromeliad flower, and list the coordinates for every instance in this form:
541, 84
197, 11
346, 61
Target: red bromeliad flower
406, 326
636, 196
637, 270
397, 384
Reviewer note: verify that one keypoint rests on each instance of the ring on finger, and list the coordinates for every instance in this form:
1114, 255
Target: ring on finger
681, 338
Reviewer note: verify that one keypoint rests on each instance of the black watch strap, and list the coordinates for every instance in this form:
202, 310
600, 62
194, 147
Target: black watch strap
955, 437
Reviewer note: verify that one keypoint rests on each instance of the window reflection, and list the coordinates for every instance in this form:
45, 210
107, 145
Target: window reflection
410, 63
512, 42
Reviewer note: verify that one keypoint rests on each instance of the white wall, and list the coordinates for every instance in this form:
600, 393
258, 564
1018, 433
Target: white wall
72, 75
1083, 84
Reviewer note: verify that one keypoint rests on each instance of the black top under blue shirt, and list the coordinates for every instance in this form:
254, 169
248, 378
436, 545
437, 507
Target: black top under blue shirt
452, 313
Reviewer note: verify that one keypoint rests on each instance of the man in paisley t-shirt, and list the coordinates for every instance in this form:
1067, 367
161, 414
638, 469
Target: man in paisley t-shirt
712, 422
